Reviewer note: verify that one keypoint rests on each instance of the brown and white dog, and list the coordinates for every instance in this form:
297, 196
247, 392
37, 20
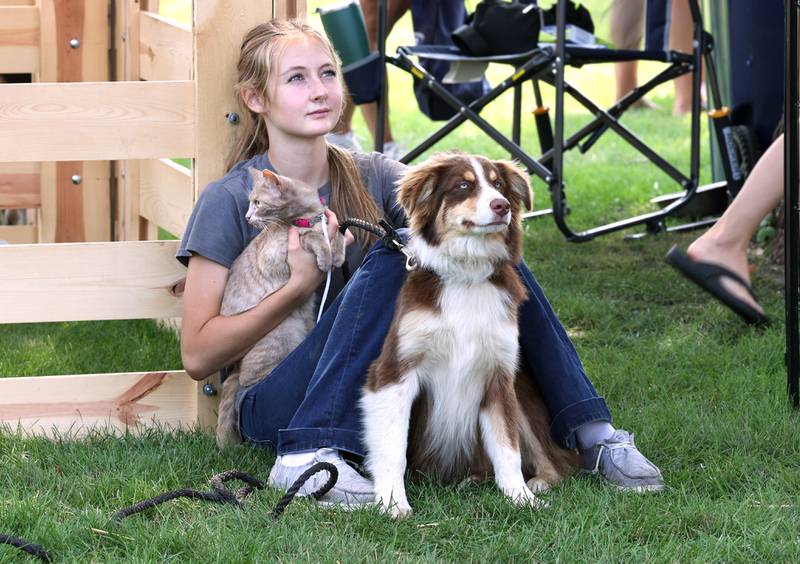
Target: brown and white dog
444, 396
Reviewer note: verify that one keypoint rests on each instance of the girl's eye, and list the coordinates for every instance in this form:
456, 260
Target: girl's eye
295, 77
330, 73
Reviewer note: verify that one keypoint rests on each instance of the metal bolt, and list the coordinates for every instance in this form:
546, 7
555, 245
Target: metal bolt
74, 42
209, 390
77, 179
233, 118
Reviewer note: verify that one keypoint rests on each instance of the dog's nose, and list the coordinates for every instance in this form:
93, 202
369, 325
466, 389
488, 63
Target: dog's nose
500, 206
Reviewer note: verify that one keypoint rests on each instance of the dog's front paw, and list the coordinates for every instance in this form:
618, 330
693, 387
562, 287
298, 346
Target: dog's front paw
538, 485
394, 509
524, 496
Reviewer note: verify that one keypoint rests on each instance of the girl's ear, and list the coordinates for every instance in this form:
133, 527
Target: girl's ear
254, 101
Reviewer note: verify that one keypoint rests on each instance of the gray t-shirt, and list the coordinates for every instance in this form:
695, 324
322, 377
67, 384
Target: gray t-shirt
218, 230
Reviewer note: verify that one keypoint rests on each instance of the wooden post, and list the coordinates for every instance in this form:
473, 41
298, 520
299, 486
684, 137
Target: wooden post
126, 39
46, 216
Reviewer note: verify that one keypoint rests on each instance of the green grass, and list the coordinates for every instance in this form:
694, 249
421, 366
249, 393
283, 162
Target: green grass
704, 394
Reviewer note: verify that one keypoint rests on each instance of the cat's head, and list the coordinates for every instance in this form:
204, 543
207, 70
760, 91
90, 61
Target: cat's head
278, 198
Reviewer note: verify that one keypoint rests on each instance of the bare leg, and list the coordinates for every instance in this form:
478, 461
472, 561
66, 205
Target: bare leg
394, 11
626, 27
726, 242
680, 39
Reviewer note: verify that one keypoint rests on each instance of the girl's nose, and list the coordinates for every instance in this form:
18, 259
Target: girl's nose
318, 90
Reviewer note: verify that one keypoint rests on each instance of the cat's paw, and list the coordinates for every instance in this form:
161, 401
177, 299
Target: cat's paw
338, 250
324, 262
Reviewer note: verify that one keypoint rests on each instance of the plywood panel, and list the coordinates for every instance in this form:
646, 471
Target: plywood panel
96, 121
165, 194
165, 49
82, 281
123, 402
219, 28
19, 39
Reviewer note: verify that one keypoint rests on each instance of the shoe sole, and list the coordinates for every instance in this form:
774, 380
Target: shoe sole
641, 489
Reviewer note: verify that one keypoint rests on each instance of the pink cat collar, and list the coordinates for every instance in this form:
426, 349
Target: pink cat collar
308, 221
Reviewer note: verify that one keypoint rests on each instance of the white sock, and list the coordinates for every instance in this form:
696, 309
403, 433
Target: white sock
589, 434
297, 458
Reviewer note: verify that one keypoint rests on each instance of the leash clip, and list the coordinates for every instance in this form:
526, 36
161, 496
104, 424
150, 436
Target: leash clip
411, 260
392, 241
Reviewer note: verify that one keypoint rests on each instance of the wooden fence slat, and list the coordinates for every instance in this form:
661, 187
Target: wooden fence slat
84, 281
19, 39
166, 195
19, 185
122, 402
165, 48
18, 234
97, 121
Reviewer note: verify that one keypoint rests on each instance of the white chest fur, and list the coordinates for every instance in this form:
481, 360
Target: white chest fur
471, 338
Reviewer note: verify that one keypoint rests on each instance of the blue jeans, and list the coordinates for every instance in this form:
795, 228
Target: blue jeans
310, 400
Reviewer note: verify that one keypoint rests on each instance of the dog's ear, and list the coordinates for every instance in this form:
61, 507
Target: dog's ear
416, 186
517, 180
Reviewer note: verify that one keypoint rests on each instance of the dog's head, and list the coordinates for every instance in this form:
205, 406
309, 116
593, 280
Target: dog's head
457, 196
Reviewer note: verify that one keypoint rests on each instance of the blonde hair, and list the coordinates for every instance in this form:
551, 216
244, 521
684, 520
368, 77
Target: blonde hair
260, 53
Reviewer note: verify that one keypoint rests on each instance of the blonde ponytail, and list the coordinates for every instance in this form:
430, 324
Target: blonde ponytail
349, 195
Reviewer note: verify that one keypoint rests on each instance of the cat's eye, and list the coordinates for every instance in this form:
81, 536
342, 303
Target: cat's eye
257, 203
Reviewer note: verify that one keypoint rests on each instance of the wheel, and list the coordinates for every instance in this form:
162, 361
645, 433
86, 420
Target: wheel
746, 146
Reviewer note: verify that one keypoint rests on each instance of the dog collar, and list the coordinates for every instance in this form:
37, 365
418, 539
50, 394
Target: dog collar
308, 221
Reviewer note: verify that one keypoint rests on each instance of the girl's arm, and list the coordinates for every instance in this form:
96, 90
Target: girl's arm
210, 341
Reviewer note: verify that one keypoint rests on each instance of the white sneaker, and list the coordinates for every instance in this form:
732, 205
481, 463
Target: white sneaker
351, 488
347, 140
393, 150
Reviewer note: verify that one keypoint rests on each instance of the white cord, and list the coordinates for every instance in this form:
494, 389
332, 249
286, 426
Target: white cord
328, 279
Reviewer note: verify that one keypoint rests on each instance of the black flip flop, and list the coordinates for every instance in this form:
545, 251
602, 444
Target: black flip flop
708, 275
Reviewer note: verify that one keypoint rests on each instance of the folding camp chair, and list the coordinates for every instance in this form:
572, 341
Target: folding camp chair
546, 64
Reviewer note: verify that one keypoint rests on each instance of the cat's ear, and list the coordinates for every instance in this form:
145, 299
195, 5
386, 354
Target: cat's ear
273, 179
265, 178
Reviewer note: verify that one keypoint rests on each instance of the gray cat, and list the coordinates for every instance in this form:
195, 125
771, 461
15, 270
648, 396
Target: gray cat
276, 203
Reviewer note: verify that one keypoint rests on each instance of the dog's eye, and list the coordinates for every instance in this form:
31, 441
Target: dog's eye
464, 185
498, 183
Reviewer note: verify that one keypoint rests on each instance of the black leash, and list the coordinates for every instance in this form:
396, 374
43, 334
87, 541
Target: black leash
220, 494
30, 548
387, 234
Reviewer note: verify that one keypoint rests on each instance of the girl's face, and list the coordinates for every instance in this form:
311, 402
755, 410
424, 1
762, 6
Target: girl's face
305, 94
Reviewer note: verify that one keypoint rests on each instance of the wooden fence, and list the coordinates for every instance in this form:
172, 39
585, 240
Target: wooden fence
75, 144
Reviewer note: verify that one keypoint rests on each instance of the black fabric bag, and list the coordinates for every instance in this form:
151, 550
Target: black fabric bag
433, 22
577, 15
498, 27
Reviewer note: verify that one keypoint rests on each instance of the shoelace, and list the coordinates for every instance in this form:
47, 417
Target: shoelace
613, 446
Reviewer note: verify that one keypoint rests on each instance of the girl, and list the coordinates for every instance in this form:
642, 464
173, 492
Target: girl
307, 409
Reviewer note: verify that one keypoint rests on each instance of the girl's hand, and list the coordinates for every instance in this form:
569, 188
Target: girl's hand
333, 227
305, 275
